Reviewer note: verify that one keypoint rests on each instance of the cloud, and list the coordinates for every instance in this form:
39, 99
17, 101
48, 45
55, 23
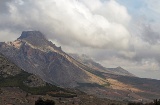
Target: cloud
72, 21
153, 5
126, 30
147, 68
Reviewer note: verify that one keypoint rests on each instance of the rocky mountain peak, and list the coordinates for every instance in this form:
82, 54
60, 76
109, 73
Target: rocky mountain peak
31, 34
119, 67
35, 38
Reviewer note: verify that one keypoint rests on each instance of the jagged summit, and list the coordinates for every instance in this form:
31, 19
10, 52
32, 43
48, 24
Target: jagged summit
35, 54
28, 34
119, 67
35, 38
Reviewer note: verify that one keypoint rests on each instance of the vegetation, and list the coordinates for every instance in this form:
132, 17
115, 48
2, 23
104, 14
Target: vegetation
17, 81
155, 102
47, 102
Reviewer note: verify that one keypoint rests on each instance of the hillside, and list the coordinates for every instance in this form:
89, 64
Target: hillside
14, 80
18, 87
36, 55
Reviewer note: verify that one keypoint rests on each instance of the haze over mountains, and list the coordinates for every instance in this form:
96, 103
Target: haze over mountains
35, 54
91, 63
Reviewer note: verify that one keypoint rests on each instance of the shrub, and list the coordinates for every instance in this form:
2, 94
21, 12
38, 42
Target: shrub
47, 102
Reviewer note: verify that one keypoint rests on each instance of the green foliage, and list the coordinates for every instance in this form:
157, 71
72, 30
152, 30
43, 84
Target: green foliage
14, 81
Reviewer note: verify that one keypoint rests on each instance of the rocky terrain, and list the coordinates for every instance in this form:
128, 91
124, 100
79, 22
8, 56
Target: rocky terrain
33, 53
21, 88
9, 70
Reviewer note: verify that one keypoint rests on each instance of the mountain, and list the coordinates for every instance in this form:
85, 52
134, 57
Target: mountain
86, 60
18, 87
120, 71
33, 53
12, 75
21, 88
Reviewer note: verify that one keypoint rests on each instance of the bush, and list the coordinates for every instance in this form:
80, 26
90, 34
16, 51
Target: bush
155, 102
47, 102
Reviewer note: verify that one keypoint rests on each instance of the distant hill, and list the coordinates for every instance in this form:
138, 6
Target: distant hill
86, 60
120, 71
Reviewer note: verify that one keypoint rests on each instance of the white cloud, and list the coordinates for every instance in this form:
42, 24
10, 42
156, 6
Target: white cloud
100, 28
87, 25
153, 5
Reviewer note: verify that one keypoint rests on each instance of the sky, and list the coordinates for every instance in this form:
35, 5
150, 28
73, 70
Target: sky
113, 32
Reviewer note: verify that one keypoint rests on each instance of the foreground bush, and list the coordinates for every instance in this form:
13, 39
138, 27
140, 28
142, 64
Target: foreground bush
47, 102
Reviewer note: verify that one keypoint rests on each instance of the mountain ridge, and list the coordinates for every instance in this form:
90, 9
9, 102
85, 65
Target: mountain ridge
86, 60
57, 67
45, 59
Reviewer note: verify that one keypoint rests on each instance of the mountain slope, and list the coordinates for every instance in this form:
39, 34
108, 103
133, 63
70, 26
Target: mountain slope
12, 76
35, 54
98, 67
18, 87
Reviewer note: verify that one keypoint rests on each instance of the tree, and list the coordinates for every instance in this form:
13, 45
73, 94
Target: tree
47, 102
